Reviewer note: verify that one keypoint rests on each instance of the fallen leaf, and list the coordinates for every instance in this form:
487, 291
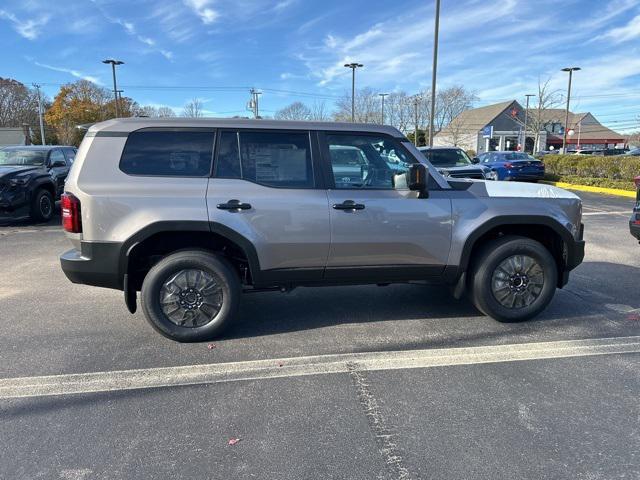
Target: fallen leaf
233, 441
211, 346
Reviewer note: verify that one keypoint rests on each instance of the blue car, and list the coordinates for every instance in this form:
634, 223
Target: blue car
513, 166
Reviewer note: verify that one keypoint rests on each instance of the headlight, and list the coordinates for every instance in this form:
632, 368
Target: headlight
16, 182
491, 175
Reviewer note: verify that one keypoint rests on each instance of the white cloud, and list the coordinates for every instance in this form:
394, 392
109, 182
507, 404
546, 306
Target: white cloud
202, 8
70, 71
29, 29
623, 34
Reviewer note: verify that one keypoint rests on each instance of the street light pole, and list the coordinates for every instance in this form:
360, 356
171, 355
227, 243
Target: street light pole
433, 73
353, 66
115, 86
37, 86
566, 113
382, 95
526, 113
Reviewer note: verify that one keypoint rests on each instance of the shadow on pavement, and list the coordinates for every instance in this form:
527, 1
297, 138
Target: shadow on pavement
313, 308
55, 221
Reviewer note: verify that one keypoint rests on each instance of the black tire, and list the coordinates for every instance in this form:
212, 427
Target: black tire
42, 206
487, 261
171, 265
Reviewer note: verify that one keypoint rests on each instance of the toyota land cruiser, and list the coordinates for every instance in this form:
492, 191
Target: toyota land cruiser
191, 213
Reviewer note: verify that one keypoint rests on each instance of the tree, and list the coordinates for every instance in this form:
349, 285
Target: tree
450, 103
319, 112
367, 107
18, 104
295, 111
80, 103
193, 109
155, 112
539, 117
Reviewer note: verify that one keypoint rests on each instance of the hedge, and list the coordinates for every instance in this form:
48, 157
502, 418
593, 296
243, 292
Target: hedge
612, 171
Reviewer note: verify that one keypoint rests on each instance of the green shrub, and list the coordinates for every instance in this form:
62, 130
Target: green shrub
589, 166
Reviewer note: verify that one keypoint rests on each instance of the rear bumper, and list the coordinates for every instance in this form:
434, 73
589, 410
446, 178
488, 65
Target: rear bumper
96, 263
634, 228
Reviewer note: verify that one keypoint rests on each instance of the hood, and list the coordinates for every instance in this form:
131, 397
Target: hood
9, 170
525, 190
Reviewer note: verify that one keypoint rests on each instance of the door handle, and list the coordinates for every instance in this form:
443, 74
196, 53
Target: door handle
234, 205
348, 205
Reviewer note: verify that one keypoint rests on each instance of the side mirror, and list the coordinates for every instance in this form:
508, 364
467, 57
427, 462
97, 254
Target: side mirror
475, 160
417, 178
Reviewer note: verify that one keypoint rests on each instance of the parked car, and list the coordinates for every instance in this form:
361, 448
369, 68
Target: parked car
635, 152
454, 162
513, 165
32, 179
191, 213
634, 221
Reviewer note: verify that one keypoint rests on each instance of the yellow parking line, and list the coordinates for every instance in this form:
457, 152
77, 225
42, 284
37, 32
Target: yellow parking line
587, 188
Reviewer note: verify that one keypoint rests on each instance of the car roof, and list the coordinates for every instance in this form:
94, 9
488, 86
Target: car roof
126, 125
36, 147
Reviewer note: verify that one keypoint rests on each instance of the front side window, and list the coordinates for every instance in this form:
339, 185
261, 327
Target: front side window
173, 153
367, 161
56, 156
273, 159
70, 153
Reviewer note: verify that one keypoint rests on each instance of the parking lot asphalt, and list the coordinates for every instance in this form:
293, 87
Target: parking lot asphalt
554, 414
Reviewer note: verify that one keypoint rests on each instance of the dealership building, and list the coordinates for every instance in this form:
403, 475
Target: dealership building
500, 127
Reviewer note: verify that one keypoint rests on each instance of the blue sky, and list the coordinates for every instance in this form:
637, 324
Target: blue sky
497, 48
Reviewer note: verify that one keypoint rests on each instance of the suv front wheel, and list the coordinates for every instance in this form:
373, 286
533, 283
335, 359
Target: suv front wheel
190, 296
513, 279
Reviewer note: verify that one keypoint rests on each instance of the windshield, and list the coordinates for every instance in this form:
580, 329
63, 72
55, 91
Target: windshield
22, 157
447, 158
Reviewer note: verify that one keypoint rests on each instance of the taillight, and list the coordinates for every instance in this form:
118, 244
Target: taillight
637, 182
508, 165
71, 218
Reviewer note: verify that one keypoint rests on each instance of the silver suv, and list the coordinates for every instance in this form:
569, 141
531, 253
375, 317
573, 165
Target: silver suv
194, 212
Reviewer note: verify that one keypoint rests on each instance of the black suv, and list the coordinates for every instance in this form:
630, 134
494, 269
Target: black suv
454, 162
32, 179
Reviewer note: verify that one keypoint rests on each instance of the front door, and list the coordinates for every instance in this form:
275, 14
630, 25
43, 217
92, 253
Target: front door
378, 226
265, 188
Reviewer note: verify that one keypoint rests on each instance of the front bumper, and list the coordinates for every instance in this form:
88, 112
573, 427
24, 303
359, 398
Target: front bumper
96, 263
13, 203
634, 225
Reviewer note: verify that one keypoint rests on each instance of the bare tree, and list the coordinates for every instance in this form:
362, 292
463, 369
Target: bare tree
540, 116
367, 107
165, 112
155, 112
295, 111
18, 104
319, 112
450, 103
193, 109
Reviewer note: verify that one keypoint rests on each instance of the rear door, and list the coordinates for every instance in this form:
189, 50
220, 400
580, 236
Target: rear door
379, 228
266, 187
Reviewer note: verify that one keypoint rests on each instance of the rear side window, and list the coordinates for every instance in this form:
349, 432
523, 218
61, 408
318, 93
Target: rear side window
274, 159
172, 153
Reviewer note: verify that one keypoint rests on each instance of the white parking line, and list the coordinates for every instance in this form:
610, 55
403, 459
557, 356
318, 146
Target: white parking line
302, 366
621, 212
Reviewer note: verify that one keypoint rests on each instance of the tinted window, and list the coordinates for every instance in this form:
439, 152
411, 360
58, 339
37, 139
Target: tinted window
367, 161
275, 159
56, 156
22, 157
447, 158
168, 153
70, 153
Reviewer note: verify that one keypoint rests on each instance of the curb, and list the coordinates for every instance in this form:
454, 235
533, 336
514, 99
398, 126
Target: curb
586, 188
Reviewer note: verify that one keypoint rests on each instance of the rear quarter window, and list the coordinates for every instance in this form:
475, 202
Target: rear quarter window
168, 153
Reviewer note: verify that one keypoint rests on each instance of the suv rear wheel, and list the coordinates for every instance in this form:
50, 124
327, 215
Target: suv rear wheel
190, 296
513, 279
42, 206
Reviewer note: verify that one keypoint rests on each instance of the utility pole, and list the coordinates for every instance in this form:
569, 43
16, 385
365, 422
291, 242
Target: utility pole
115, 86
37, 87
566, 113
253, 103
416, 102
526, 113
382, 95
433, 73
353, 67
